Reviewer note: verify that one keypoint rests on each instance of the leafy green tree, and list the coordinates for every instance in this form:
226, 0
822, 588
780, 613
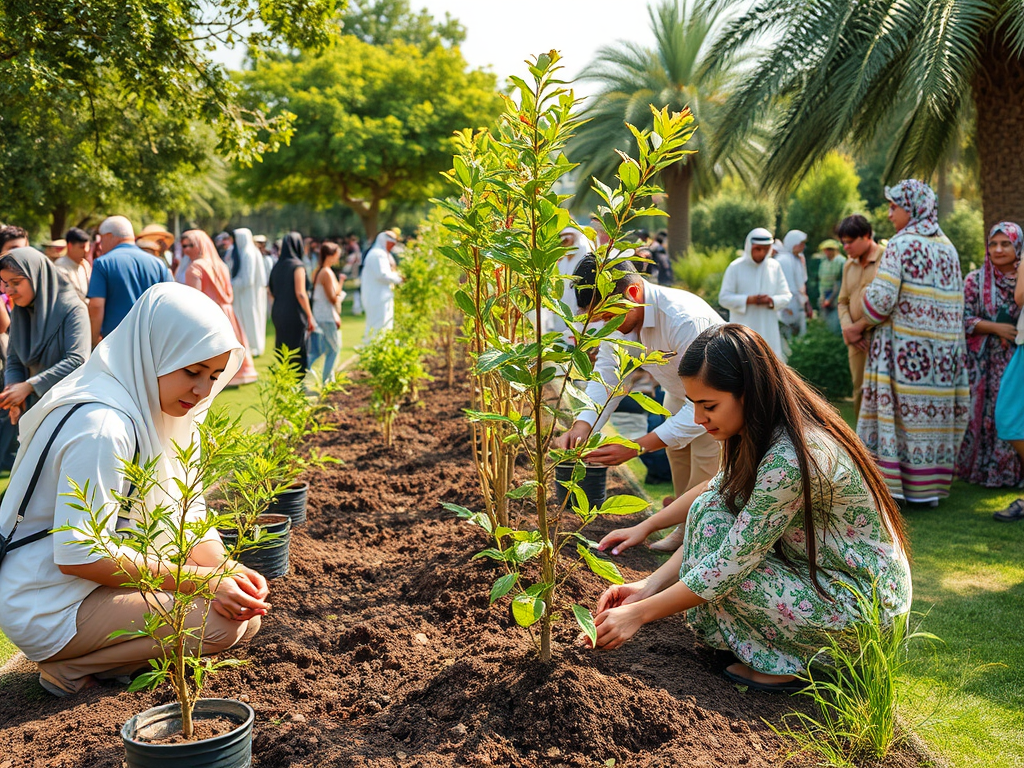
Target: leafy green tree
840, 70
828, 194
632, 78
380, 22
373, 124
723, 219
157, 55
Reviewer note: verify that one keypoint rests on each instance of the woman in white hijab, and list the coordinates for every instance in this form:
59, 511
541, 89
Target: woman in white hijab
145, 388
249, 281
377, 285
794, 315
754, 289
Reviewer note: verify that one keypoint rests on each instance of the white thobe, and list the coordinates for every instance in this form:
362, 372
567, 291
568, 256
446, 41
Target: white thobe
377, 286
672, 320
745, 277
250, 301
796, 279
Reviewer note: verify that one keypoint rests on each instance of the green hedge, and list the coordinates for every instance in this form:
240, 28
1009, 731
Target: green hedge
820, 357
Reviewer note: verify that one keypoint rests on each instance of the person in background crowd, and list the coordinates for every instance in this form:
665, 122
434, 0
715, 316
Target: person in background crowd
152, 247
289, 286
54, 249
142, 393
226, 248
12, 237
75, 263
830, 278
353, 268
798, 517
754, 289
50, 334
311, 254
377, 286
249, 281
858, 241
578, 247
1010, 402
664, 319
327, 298
916, 393
990, 319
794, 315
659, 252
208, 273
120, 277
162, 240
268, 258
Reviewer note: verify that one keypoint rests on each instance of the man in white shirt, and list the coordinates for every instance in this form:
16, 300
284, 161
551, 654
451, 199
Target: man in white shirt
754, 289
667, 320
75, 263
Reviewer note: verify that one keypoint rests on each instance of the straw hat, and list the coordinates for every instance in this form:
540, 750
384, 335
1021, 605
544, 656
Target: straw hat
157, 233
833, 244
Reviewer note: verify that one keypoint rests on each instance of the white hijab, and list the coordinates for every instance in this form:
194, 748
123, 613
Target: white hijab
759, 236
170, 326
253, 270
580, 247
792, 239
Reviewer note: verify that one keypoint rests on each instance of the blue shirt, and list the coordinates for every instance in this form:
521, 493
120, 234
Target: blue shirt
120, 277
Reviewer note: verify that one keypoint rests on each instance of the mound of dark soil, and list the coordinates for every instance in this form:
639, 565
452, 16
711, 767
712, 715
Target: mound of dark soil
382, 649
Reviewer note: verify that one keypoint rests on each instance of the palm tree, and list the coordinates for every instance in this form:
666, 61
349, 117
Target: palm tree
843, 70
632, 78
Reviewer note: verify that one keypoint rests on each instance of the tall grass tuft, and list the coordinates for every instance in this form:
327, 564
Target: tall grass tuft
855, 683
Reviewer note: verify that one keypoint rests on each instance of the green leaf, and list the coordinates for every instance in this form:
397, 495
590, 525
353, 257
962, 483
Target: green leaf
526, 489
148, 680
650, 405
503, 586
623, 505
492, 553
586, 621
603, 568
458, 509
629, 173
526, 550
527, 610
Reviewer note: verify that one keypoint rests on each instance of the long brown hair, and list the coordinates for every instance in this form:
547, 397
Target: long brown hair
326, 251
732, 358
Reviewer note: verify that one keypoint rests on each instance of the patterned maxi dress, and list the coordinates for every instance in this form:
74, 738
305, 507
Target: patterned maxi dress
765, 609
916, 393
988, 295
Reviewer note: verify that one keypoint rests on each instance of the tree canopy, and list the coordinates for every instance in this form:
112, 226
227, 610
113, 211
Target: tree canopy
380, 22
373, 124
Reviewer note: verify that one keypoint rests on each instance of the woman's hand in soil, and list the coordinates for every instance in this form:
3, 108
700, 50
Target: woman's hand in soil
622, 539
617, 625
621, 594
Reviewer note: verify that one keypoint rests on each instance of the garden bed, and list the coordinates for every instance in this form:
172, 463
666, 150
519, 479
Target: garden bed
381, 649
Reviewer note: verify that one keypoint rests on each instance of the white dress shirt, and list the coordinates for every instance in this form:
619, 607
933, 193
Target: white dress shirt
672, 320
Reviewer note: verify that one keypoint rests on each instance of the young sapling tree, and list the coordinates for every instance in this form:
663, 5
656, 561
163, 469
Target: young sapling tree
395, 369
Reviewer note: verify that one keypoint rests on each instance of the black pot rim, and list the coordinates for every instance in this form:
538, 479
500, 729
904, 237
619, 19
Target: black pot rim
249, 720
295, 487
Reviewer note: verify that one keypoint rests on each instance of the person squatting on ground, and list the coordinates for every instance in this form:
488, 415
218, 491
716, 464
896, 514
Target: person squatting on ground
145, 388
665, 319
916, 396
754, 289
49, 335
798, 513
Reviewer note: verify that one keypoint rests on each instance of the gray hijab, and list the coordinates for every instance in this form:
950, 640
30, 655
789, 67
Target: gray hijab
32, 328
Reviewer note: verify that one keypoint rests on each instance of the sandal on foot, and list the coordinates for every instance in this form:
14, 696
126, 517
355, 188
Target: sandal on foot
792, 686
1012, 513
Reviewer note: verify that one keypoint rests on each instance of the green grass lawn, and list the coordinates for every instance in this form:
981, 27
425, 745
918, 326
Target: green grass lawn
241, 399
965, 695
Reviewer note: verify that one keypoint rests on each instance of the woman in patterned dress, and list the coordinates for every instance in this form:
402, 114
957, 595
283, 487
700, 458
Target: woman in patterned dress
990, 319
917, 398
777, 543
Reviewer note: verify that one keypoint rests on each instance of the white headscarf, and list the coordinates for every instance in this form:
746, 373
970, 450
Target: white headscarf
792, 239
171, 326
759, 236
385, 237
581, 245
253, 270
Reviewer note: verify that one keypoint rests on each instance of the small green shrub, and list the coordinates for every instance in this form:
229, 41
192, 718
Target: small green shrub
965, 227
701, 271
857, 693
396, 369
723, 220
820, 356
824, 198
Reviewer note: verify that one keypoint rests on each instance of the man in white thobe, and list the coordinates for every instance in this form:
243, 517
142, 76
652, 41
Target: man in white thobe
754, 289
377, 286
667, 319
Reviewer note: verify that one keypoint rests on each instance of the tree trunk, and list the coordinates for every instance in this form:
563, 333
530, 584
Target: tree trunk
58, 221
678, 182
370, 216
999, 101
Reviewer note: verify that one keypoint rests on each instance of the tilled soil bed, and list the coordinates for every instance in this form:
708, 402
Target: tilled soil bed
382, 650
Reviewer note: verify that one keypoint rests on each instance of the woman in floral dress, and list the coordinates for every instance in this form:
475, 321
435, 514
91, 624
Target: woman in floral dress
990, 319
917, 398
778, 543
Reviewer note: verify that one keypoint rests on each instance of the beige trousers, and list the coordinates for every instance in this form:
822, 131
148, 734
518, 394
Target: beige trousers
696, 463
93, 654
858, 360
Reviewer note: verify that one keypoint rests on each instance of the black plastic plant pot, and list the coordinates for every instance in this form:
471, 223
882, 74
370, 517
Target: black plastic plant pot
271, 558
229, 750
594, 484
291, 503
